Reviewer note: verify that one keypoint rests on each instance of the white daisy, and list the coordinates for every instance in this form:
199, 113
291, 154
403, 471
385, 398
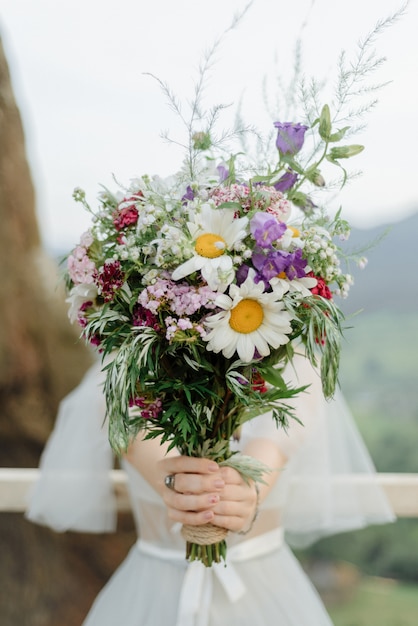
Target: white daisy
302, 285
291, 238
251, 321
215, 232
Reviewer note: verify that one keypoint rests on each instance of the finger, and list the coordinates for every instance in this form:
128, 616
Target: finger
189, 502
233, 515
229, 508
230, 522
231, 476
198, 483
194, 518
195, 475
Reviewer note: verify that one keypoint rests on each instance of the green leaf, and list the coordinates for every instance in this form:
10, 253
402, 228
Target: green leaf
344, 152
298, 198
260, 179
338, 135
290, 162
334, 162
325, 123
229, 205
273, 376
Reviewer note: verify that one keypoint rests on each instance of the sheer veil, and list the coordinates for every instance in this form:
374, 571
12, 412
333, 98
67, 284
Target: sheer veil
329, 484
74, 491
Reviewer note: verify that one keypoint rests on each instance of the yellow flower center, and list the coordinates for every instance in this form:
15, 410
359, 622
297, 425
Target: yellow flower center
296, 232
247, 316
282, 275
210, 245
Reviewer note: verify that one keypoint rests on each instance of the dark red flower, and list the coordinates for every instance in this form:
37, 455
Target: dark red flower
126, 214
258, 383
81, 317
321, 288
109, 280
142, 317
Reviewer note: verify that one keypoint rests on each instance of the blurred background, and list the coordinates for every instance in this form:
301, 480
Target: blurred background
77, 108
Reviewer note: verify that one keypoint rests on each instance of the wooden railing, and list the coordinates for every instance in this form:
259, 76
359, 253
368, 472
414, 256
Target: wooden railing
401, 489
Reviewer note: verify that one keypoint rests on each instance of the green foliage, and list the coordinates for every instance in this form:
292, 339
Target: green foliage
377, 601
378, 377
389, 550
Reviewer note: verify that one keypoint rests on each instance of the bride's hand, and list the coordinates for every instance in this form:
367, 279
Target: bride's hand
195, 489
238, 503
203, 492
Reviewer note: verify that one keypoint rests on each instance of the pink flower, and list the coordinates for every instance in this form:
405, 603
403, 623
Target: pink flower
273, 202
180, 298
80, 268
232, 193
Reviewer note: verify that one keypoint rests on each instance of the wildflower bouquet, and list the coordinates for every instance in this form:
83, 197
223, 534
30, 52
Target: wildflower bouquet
200, 287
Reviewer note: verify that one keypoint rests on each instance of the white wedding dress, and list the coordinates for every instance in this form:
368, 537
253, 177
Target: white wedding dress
262, 583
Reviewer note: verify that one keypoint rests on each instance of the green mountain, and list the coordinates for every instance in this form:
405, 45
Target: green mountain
390, 280
379, 365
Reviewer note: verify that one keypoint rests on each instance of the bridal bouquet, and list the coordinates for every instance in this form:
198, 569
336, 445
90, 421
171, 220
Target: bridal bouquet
199, 288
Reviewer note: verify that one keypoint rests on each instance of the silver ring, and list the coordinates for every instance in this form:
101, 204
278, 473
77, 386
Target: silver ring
169, 481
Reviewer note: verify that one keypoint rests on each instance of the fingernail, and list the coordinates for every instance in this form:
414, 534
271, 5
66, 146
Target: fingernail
213, 467
208, 515
219, 484
214, 499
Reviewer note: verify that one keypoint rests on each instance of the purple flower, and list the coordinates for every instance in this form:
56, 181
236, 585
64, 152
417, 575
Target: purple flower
296, 265
269, 265
290, 137
286, 181
265, 229
223, 173
241, 274
189, 195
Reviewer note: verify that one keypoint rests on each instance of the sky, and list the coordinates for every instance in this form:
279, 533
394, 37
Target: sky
92, 113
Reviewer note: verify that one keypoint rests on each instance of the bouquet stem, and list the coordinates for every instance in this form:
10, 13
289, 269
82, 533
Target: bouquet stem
205, 543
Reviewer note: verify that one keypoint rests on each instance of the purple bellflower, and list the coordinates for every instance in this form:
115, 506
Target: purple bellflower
269, 265
223, 173
189, 195
265, 229
296, 265
276, 263
290, 137
286, 181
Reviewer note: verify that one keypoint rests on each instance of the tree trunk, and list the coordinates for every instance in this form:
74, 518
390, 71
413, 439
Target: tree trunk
45, 579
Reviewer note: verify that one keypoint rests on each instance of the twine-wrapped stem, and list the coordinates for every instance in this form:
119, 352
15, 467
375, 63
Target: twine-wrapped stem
205, 543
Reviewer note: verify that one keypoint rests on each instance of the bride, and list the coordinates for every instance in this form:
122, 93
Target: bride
307, 495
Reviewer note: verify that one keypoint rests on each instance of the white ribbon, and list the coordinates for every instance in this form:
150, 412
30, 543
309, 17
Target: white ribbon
197, 587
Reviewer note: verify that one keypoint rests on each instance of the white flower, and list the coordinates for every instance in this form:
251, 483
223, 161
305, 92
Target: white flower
251, 321
362, 262
78, 296
302, 285
291, 237
215, 232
